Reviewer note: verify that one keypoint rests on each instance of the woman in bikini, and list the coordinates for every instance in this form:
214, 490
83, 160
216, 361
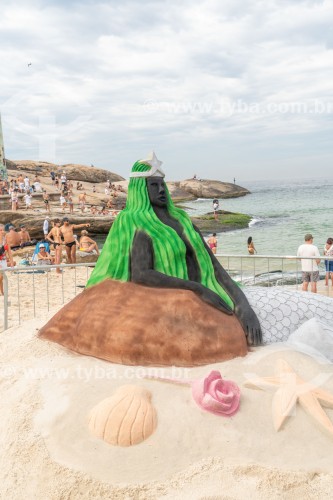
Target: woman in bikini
87, 244
250, 246
212, 243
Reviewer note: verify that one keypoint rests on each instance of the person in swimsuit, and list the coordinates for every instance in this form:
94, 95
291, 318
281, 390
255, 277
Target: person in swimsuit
13, 239
87, 244
67, 231
328, 251
212, 243
250, 246
5, 254
43, 256
54, 237
82, 202
46, 201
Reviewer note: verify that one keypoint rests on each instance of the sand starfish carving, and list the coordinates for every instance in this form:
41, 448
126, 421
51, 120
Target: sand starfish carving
290, 390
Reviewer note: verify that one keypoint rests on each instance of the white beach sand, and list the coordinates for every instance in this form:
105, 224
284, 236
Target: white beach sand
47, 451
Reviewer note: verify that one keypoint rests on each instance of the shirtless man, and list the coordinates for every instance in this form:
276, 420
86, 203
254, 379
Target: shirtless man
87, 244
13, 238
25, 237
67, 231
82, 201
46, 201
54, 237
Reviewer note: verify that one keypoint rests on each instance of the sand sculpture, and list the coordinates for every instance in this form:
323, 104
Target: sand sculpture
292, 389
157, 296
125, 419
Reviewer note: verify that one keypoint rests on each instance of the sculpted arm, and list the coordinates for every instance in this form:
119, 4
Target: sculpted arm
243, 310
143, 272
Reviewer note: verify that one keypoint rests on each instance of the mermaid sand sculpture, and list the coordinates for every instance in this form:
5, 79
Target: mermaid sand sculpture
158, 295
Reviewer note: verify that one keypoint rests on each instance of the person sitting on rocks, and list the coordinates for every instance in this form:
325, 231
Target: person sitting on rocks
25, 240
154, 243
87, 244
13, 238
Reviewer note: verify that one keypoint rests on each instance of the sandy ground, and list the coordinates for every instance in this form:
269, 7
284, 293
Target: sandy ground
34, 293
47, 451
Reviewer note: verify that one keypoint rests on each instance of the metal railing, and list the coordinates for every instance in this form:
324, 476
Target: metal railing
30, 291
270, 270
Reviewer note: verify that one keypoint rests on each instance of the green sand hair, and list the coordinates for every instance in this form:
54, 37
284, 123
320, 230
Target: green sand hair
169, 249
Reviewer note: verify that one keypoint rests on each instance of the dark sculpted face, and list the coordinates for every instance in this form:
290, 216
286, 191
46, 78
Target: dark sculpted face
156, 191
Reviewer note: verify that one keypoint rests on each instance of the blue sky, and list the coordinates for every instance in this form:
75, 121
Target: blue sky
222, 89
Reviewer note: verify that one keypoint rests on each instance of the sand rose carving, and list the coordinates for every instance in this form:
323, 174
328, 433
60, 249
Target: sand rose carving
125, 419
216, 395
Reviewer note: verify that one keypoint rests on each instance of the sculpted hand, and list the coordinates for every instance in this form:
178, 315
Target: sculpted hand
250, 324
214, 300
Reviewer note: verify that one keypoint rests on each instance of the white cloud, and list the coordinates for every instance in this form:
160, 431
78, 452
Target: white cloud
110, 80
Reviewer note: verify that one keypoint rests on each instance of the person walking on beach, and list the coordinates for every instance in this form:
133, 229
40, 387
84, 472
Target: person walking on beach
215, 207
67, 232
328, 251
212, 243
54, 236
310, 270
250, 246
46, 201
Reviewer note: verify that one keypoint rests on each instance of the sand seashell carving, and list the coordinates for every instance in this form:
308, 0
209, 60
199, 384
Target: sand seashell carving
124, 419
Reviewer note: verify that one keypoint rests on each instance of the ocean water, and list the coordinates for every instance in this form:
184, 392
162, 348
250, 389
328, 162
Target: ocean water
282, 213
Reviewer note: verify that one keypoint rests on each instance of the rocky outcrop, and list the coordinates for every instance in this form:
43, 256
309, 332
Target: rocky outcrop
212, 189
226, 221
179, 194
73, 171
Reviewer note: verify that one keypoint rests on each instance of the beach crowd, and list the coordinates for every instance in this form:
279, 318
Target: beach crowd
22, 188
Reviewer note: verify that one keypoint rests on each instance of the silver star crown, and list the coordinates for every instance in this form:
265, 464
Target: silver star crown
155, 171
